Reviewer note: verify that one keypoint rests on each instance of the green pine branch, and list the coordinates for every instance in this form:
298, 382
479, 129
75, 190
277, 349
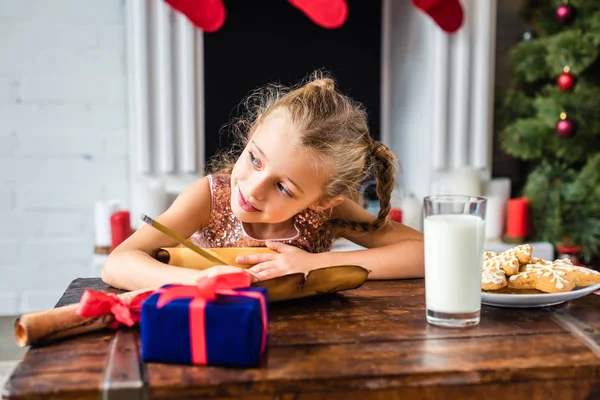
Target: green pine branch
564, 183
564, 205
541, 14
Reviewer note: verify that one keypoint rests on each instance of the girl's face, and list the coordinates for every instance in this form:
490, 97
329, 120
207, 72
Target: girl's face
273, 180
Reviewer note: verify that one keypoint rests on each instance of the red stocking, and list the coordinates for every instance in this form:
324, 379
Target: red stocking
448, 14
329, 14
208, 15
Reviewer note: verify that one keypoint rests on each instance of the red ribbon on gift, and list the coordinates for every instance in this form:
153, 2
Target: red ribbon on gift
96, 304
206, 290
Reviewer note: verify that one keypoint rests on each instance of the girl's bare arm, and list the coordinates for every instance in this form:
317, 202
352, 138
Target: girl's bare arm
132, 265
393, 251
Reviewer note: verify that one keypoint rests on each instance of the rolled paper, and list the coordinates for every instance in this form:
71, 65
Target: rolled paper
187, 258
47, 326
517, 219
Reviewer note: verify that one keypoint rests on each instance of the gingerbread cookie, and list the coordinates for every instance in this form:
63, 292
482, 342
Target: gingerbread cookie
522, 253
553, 277
506, 261
492, 278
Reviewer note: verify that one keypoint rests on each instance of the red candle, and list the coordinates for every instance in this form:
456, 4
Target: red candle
395, 215
517, 218
120, 228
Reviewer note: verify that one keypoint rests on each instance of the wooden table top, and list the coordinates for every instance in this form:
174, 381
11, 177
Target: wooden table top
371, 342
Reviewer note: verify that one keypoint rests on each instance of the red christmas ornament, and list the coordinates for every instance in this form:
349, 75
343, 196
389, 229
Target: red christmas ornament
565, 128
565, 14
566, 81
570, 253
448, 14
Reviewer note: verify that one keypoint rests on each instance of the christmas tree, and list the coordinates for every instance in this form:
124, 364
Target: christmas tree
550, 118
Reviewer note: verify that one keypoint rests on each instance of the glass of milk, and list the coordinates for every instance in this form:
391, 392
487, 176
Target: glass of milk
454, 231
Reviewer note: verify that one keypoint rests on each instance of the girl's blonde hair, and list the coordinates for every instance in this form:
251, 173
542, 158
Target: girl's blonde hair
335, 127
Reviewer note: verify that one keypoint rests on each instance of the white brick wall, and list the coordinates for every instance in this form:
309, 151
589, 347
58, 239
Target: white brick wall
63, 128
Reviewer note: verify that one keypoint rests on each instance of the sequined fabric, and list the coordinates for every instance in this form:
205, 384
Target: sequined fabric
225, 230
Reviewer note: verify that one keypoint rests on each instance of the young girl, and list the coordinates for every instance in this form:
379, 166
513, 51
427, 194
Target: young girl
306, 152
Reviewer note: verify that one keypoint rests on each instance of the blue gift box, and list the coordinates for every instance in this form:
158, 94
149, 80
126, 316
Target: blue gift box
233, 330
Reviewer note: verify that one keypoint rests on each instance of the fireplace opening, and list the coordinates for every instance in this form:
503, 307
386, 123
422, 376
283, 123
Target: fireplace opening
270, 41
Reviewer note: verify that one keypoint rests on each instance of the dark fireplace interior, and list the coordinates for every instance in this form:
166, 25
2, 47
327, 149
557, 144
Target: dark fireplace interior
269, 41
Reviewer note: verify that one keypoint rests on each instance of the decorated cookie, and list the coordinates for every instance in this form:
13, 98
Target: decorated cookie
522, 252
553, 277
506, 261
492, 277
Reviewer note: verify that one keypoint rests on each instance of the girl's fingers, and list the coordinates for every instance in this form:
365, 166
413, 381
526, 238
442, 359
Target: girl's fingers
255, 276
269, 273
255, 258
258, 268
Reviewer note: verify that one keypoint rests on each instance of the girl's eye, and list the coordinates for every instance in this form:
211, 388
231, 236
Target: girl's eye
255, 161
283, 190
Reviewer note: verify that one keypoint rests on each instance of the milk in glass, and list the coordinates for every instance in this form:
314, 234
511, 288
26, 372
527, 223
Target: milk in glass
453, 261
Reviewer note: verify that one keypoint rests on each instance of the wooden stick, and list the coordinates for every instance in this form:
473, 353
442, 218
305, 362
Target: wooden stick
181, 240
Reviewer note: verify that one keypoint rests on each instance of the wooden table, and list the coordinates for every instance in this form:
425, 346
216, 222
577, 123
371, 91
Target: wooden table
372, 342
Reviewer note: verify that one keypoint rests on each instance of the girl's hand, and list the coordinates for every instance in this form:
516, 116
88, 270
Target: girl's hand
289, 260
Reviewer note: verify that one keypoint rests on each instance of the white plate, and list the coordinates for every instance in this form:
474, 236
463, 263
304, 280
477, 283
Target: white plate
535, 300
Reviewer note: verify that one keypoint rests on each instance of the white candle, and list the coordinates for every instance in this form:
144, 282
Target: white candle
497, 191
499, 187
151, 198
102, 212
412, 213
462, 181
495, 213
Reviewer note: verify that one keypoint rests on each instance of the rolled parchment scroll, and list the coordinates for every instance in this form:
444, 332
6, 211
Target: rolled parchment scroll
186, 258
50, 325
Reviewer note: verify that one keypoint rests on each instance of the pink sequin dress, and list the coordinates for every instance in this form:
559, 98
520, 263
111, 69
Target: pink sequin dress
223, 229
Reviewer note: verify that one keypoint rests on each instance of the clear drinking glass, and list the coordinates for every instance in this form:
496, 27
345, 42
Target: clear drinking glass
454, 237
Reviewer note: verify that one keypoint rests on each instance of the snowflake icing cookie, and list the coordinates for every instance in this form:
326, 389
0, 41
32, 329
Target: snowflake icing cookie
553, 277
496, 266
492, 277
506, 261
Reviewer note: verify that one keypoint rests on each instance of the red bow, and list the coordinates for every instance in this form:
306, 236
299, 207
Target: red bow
207, 290
96, 304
